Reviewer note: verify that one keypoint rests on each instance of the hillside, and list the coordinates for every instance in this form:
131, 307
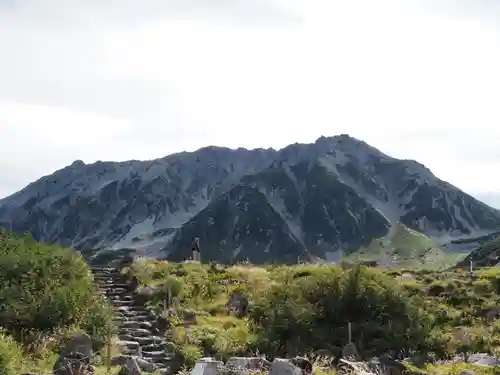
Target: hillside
423, 316
305, 202
485, 255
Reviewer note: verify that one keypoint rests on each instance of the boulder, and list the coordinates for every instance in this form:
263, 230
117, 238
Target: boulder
73, 363
303, 363
130, 367
208, 366
237, 305
282, 366
78, 343
161, 325
144, 295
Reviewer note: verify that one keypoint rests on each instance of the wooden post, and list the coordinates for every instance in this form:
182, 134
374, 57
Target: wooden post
349, 330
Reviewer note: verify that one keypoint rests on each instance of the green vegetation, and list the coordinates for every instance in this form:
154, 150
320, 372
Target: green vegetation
406, 248
46, 293
301, 309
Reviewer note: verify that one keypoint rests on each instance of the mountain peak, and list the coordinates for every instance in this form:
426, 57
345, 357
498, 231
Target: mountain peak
336, 195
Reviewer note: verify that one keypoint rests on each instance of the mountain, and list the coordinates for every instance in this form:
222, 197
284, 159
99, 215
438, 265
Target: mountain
306, 201
492, 199
485, 254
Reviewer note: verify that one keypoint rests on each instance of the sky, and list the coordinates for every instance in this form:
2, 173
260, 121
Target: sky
126, 79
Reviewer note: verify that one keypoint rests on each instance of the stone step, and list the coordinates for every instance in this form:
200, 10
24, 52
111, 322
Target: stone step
154, 348
138, 332
159, 362
120, 298
138, 315
117, 292
130, 344
134, 324
154, 354
151, 340
123, 303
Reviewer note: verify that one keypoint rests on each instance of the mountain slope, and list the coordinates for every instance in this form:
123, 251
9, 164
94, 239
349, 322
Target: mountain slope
306, 201
487, 254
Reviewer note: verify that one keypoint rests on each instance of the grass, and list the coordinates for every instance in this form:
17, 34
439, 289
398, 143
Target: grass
449, 309
407, 248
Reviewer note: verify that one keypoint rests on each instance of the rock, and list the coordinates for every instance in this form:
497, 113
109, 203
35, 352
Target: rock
130, 367
350, 353
73, 363
207, 366
391, 366
303, 363
491, 313
145, 365
78, 343
161, 325
483, 359
133, 284
144, 295
254, 364
282, 366
119, 360
188, 316
75, 356
237, 305
466, 372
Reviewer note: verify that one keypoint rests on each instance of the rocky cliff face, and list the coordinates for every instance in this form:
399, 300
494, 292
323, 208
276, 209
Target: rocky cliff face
304, 201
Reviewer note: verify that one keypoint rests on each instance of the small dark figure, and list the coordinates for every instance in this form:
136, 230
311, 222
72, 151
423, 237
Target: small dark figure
195, 248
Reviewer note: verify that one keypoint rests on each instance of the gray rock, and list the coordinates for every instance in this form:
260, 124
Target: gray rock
248, 363
282, 366
483, 359
208, 366
78, 343
71, 364
144, 295
237, 305
303, 363
145, 365
130, 367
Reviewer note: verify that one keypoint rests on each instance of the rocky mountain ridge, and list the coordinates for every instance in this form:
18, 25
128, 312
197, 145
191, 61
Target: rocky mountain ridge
305, 201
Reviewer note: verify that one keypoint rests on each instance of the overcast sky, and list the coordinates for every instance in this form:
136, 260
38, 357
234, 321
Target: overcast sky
129, 79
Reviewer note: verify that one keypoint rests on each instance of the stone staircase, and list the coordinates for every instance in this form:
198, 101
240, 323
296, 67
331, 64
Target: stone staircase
137, 334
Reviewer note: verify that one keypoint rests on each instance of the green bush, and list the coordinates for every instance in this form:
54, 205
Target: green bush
46, 287
10, 353
313, 312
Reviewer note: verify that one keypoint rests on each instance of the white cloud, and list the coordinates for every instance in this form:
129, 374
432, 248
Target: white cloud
121, 80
